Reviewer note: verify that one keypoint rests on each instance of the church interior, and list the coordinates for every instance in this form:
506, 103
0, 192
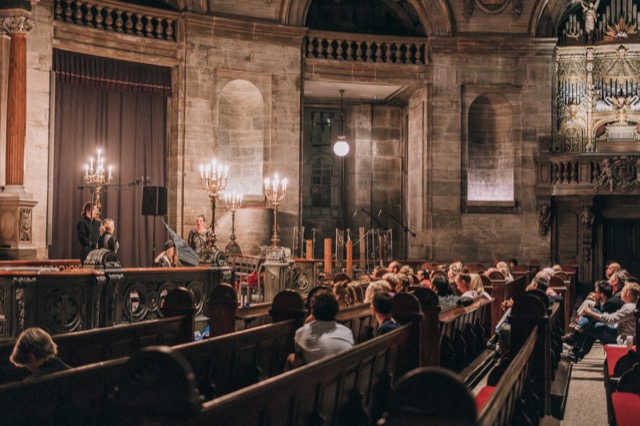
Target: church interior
320, 140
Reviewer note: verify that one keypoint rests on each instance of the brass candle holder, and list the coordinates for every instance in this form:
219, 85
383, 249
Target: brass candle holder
233, 202
275, 190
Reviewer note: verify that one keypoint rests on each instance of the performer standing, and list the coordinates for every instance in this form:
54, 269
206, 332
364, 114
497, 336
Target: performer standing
88, 230
198, 237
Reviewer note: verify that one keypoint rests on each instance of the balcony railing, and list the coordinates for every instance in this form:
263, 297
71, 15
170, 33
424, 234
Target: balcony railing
589, 173
118, 17
366, 48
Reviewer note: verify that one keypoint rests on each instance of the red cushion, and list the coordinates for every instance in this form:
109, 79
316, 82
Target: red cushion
483, 396
614, 353
626, 407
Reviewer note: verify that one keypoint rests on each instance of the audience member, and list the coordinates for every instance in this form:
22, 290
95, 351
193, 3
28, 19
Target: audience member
36, 351
394, 267
423, 277
375, 287
322, 336
381, 309
478, 287
463, 283
441, 287
611, 327
513, 263
601, 304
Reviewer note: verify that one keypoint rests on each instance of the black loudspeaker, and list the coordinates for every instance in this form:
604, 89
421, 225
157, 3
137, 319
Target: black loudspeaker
154, 201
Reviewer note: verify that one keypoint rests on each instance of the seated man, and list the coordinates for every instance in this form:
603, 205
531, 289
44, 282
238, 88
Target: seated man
601, 304
322, 336
610, 327
36, 351
381, 309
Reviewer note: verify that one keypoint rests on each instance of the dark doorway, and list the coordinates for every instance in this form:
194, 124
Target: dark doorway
622, 244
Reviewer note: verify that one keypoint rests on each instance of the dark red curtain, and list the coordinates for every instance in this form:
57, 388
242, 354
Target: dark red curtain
130, 128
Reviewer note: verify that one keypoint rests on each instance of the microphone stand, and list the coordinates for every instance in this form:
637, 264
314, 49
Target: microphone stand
380, 226
406, 231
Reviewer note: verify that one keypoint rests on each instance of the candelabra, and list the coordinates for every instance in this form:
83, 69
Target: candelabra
97, 178
213, 179
275, 191
233, 202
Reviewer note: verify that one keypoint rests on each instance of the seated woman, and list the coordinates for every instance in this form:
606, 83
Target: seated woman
478, 287
169, 257
107, 240
36, 351
441, 287
610, 328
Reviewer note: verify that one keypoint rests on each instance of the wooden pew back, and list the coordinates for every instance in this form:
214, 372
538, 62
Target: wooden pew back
103, 344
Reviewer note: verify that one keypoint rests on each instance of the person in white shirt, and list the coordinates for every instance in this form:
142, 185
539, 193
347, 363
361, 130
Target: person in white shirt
323, 336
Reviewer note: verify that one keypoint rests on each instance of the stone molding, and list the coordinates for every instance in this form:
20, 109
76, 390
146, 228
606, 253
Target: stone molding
16, 25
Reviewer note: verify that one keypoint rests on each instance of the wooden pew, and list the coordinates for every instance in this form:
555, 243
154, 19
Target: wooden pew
502, 290
103, 344
551, 375
438, 396
619, 360
349, 387
455, 336
222, 364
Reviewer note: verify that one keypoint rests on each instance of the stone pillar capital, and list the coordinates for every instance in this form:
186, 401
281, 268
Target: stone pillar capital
15, 25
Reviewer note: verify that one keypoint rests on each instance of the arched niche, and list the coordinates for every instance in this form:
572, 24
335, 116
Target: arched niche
490, 150
241, 136
435, 16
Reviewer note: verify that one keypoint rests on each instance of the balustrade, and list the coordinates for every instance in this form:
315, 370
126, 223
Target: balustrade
366, 48
580, 174
111, 16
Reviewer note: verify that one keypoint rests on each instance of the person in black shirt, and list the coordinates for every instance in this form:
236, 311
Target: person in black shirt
381, 308
88, 230
36, 351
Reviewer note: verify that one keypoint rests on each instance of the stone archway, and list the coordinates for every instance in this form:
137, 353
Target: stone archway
435, 16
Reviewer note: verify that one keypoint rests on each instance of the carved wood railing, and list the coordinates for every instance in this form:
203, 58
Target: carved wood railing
119, 17
571, 174
366, 48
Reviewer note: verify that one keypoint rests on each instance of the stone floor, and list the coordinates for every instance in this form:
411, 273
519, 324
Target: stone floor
586, 403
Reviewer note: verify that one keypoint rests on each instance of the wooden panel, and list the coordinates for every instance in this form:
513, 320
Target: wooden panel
622, 244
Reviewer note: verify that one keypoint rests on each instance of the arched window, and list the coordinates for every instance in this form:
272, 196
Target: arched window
490, 153
241, 136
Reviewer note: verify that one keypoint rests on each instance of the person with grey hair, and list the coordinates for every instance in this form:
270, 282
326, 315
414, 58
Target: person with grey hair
36, 351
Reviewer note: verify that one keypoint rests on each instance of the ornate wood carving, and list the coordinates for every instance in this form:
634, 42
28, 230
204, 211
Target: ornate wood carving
617, 174
544, 217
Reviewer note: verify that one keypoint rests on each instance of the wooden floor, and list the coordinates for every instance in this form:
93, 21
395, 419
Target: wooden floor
586, 404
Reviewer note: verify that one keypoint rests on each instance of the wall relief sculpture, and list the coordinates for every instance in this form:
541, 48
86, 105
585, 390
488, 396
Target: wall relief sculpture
617, 174
587, 220
544, 217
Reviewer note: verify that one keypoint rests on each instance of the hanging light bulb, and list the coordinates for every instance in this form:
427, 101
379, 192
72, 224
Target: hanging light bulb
341, 147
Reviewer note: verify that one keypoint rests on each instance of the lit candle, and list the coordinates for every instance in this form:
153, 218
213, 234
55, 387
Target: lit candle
99, 152
284, 184
266, 184
91, 162
207, 170
86, 170
110, 168
201, 171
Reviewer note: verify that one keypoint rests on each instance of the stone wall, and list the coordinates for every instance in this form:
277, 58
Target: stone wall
38, 172
463, 72
407, 158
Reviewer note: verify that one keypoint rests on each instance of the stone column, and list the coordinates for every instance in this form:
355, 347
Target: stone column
16, 205
18, 27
